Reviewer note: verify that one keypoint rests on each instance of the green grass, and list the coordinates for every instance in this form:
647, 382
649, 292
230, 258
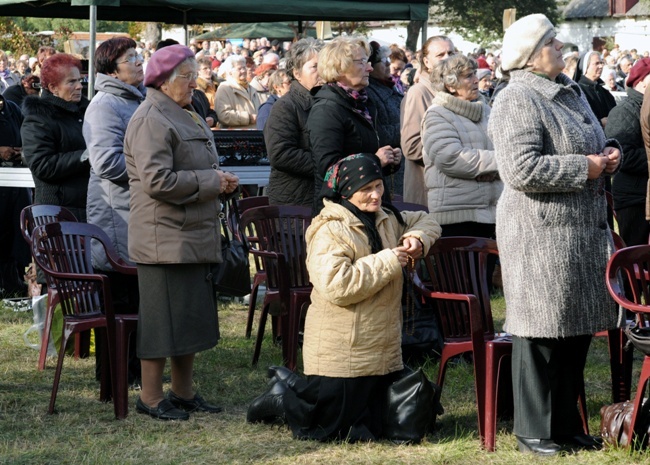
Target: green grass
85, 431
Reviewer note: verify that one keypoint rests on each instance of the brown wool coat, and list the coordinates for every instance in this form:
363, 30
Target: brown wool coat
414, 105
173, 185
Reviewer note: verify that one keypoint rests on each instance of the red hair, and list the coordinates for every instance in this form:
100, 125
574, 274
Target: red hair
55, 68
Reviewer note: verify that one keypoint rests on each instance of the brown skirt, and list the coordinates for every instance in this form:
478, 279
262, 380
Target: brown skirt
178, 311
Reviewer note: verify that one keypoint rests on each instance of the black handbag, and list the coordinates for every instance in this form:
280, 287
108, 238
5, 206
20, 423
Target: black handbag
232, 276
639, 336
413, 402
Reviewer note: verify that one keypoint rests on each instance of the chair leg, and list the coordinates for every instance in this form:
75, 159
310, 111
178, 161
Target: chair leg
257, 281
82, 345
106, 392
621, 365
493, 372
251, 312
47, 329
260, 334
638, 398
59, 367
121, 369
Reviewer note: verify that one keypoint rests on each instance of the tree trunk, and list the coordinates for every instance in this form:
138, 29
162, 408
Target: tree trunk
153, 33
412, 32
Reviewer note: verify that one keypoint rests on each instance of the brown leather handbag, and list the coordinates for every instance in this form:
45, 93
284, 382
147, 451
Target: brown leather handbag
615, 423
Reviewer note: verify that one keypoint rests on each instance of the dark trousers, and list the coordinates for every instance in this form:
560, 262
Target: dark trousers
15, 254
632, 225
547, 377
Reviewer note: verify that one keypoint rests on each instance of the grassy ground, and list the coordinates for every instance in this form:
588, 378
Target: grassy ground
85, 431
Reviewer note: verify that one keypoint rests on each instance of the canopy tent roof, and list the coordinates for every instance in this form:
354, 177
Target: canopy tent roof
220, 11
282, 30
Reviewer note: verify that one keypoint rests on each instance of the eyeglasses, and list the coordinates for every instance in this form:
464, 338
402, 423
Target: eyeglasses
188, 76
131, 59
362, 61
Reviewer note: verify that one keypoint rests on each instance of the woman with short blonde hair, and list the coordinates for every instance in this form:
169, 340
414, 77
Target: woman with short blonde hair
343, 120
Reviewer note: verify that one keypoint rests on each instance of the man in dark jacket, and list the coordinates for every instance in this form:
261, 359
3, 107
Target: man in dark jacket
14, 253
630, 183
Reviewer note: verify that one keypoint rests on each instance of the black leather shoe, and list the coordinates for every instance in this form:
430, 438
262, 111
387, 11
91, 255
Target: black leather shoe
164, 411
583, 441
269, 407
197, 404
538, 446
283, 374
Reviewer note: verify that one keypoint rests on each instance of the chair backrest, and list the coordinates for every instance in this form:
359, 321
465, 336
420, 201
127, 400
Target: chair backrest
235, 209
458, 265
281, 230
63, 251
33, 216
631, 266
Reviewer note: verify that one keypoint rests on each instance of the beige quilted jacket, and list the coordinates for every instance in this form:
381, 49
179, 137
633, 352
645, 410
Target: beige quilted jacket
354, 324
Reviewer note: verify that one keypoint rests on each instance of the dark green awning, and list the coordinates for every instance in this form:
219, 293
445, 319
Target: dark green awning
221, 11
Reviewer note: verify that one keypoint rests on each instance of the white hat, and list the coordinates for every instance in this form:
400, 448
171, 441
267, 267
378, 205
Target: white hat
521, 39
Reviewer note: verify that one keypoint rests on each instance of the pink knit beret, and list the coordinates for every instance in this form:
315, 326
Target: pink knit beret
162, 64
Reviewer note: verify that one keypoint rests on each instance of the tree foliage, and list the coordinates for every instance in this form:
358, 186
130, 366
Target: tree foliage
21, 35
481, 21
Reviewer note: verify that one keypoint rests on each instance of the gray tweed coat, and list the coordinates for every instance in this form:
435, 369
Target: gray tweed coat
554, 241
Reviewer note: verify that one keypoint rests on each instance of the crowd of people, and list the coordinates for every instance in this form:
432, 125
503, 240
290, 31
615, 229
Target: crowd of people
517, 145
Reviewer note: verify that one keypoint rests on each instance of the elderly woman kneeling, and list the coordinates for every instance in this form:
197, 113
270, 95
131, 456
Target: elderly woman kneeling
174, 232
356, 249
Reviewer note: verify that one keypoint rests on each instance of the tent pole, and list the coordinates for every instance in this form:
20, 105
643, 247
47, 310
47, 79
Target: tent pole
187, 37
425, 27
91, 51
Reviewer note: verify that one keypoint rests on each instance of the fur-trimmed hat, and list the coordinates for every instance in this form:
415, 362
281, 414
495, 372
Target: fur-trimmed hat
521, 40
163, 62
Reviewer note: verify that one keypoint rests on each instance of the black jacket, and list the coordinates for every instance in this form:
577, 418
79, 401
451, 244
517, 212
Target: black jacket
630, 183
53, 145
336, 131
15, 93
287, 143
201, 105
600, 99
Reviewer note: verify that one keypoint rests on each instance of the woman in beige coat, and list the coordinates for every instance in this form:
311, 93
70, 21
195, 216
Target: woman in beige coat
174, 182
352, 344
236, 102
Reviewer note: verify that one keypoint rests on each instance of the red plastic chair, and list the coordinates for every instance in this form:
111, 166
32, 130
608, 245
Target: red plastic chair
457, 270
632, 266
280, 231
63, 252
620, 356
234, 218
31, 217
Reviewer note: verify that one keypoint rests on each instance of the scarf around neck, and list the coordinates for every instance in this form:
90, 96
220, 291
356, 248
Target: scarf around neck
359, 99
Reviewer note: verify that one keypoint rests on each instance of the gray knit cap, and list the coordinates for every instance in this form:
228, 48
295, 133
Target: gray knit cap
521, 39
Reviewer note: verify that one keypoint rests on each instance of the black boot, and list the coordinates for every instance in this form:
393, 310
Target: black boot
283, 374
268, 408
